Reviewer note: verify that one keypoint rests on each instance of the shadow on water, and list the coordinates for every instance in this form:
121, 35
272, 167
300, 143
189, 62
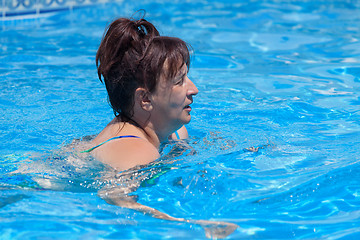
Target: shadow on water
12, 199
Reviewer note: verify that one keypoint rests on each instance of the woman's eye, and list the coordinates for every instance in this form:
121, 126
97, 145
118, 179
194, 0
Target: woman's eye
180, 82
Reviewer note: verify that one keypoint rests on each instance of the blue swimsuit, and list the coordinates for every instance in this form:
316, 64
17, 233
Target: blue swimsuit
118, 137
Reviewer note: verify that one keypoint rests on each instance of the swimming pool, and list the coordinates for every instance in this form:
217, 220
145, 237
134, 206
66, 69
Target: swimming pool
281, 76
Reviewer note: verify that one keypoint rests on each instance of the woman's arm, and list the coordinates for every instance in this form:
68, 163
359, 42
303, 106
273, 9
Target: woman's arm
213, 229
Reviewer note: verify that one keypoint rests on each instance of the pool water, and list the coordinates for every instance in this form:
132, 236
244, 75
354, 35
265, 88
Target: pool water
279, 77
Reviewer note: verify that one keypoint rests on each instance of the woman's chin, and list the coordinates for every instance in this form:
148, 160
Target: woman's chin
186, 120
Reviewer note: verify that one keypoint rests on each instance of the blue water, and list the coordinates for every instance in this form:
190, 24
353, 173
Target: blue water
279, 75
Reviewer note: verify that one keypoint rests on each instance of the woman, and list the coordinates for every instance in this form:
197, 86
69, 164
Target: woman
148, 88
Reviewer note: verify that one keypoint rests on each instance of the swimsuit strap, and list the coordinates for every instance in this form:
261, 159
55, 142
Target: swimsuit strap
177, 135
117, 137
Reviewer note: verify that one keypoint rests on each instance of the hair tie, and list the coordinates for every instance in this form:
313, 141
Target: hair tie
141, 15
138, 22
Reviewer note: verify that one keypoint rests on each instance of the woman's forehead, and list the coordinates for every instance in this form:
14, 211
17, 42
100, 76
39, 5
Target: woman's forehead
171, 70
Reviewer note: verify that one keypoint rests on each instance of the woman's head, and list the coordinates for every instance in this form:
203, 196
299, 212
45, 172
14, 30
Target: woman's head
133, 55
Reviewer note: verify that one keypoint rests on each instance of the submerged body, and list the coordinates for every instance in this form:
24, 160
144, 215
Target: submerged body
145, 75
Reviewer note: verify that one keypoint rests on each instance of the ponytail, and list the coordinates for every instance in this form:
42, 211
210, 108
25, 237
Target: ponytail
123, 44
121, 36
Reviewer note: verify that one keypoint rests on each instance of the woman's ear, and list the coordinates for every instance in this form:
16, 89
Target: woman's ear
142, 97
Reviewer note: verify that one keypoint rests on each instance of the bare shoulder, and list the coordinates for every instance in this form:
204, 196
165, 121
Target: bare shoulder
123, 154
182, 133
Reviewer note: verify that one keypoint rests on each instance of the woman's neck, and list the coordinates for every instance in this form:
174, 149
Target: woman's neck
142, 130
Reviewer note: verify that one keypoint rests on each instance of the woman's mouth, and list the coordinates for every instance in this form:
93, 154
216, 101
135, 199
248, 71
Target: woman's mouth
187, 108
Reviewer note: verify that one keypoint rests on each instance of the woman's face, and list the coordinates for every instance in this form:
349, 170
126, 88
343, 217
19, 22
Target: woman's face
171, 100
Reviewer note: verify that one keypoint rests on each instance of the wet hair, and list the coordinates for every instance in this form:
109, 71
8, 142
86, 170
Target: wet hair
132, 54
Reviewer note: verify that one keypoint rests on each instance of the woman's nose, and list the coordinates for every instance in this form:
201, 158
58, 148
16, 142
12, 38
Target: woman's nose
192, 90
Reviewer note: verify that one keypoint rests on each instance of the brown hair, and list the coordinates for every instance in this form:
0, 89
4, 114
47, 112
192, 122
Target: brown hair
131, 55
